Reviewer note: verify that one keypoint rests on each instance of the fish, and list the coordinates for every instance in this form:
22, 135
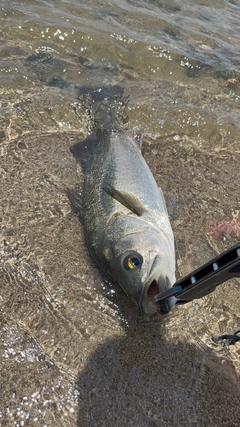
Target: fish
126, 224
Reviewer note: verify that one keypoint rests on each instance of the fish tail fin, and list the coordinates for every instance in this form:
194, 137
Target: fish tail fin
107, 105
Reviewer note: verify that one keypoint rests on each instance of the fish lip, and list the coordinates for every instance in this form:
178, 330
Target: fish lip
158, 277
150, 307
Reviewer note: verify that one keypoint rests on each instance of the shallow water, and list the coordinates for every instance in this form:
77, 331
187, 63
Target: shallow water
74, 349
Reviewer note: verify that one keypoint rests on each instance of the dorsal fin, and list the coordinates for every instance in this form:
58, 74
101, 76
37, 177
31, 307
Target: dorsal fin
163, 200
126, 199
82, 150
138, 140
136, 137
76, 200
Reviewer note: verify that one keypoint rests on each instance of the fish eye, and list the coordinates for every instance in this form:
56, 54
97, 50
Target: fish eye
132, 261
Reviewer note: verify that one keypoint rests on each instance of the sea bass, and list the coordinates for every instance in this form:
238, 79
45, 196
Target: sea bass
126, 224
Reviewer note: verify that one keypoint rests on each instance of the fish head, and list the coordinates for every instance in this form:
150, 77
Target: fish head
142, 261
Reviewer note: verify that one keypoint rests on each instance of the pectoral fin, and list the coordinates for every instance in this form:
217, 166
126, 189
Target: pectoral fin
126, 199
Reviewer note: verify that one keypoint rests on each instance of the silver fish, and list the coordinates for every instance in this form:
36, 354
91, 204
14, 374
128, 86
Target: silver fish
126, 224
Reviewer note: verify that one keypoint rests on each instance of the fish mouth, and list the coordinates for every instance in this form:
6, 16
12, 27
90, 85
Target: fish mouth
152, 291
148, 304
159, 281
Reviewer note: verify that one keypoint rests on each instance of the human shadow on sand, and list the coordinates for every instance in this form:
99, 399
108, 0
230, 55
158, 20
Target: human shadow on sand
145, 379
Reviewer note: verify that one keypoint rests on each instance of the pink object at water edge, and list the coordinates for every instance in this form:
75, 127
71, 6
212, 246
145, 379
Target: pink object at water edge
217, 229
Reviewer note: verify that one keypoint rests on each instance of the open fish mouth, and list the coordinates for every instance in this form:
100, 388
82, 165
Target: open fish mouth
159, 278
153, 289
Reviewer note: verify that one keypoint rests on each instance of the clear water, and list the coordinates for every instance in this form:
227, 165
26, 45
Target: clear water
74, 350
